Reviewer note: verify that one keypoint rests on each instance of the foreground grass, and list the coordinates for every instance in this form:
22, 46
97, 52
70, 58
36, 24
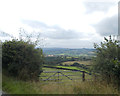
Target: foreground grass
13, 86
0, 81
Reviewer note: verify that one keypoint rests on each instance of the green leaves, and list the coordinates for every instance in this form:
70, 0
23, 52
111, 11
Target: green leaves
20, 57
107, 61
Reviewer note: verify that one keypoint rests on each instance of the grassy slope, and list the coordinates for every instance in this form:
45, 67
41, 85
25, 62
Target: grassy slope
0, 81
75, 76
80, 62
13, 86
71, 62
72, 68
70, 52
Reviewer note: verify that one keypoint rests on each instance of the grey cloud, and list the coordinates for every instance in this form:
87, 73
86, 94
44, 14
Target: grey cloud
75, 43
108, 26
98, 6
53, 32
60, 33
35, 24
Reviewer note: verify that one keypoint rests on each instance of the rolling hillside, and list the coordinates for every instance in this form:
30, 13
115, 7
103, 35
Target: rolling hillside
69, 52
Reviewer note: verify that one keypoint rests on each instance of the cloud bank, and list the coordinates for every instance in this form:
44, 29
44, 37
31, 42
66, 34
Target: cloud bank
54, 32
108, 26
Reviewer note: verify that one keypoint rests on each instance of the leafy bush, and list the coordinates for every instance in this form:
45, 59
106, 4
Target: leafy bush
21, 59
75, 64
107, 60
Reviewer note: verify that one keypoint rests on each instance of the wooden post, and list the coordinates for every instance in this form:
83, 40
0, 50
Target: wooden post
58, 76
83, 77
95, 77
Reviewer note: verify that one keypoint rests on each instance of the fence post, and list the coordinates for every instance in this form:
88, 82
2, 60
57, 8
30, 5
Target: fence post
58, 76
95, 78
83, 76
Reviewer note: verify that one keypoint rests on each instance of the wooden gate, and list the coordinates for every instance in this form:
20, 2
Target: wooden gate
58, 74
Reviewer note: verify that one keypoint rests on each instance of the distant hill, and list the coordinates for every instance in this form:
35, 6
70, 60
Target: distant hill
69, 52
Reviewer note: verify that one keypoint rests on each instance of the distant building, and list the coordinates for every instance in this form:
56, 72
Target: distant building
50, 55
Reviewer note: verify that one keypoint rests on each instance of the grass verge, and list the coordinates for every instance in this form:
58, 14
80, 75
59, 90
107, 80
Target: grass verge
13, 86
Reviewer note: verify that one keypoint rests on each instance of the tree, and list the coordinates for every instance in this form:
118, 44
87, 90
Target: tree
21, 59
75, 64
107, 60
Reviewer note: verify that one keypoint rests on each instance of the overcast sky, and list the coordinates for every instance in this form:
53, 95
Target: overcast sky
62, 23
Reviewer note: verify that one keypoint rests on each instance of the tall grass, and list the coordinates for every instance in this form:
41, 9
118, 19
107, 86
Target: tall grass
91, 87
12, 86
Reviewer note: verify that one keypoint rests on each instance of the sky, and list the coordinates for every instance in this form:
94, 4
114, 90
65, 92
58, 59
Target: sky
60, 23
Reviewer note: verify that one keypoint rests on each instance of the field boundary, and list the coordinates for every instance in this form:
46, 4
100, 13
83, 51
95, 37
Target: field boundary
67, 69
58, 74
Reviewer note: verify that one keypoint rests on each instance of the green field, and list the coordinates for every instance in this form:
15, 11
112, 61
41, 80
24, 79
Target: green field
72, 67
75, 76
80, 62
